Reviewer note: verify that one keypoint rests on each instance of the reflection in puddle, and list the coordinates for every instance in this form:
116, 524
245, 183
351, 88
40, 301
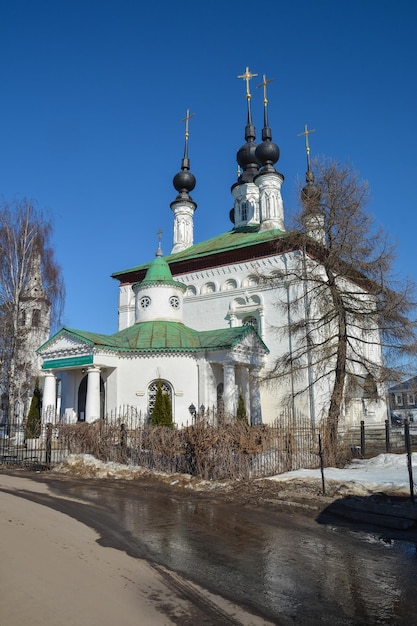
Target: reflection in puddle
283, 567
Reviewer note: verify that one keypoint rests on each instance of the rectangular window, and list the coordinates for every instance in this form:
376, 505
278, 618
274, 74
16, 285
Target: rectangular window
411, 399
244, 211
399, 399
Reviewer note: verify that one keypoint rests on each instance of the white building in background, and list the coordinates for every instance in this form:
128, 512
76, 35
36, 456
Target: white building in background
203, 319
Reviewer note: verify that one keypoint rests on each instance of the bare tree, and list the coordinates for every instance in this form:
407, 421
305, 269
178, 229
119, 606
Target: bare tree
31, 297
351, 324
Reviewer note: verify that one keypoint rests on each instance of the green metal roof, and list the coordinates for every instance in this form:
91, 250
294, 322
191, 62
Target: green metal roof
161, 336
239, 238
159, 273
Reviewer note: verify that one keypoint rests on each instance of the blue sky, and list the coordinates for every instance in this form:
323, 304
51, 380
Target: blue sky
93, 93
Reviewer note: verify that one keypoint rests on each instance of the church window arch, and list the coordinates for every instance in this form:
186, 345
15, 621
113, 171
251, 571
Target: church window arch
251, 281
191, 291
230, 284
247, 310
209, 288
152, 387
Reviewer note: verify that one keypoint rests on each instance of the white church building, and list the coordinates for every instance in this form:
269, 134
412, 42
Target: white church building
203, 320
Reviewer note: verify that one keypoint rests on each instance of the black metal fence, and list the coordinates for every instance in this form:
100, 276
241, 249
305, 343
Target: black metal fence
232, 450
368, 440
229, 450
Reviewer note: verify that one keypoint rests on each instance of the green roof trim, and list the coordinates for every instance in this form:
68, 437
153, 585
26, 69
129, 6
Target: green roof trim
75, 361
239, 238
160, 336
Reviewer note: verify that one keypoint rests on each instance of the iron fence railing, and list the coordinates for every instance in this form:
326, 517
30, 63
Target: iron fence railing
228, 450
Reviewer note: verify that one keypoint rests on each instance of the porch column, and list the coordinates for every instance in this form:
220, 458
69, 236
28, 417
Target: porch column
49, 398
232, 318
244, 376
92, 402
255, 397
229, 390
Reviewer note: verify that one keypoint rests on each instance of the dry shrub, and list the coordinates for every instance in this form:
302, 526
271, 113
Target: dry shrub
98, 438
228, 450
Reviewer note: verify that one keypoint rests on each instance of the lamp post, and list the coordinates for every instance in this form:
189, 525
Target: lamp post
193, 411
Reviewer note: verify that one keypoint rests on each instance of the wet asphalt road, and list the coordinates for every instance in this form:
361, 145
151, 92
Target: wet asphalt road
280, 565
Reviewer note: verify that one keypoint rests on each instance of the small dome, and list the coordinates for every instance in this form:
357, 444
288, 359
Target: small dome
311, 193
184, 181
247, 161
267, 153
158, 271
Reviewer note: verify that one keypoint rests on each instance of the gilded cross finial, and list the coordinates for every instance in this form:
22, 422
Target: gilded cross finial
264, 84
187, 117
246, 77
306, 133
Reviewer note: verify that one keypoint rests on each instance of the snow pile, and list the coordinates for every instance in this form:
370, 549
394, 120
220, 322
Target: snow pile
385, 473
88, 466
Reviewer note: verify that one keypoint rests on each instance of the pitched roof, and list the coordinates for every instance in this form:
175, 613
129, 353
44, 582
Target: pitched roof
161, 336
237, 242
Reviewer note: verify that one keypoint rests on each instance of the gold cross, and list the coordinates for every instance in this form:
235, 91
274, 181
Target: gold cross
264, 84
306, 133
186, 118
247, 76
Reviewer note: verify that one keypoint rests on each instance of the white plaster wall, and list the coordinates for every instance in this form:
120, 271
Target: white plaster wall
217, 290
134, 375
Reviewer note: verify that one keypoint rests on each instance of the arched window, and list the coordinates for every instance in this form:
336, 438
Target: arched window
36, 318
166, 388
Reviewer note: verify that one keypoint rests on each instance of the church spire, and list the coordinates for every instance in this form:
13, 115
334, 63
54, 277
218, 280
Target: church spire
267, 153
159, 252
312, 217
310, 194
246, 154
268, 180
183, 205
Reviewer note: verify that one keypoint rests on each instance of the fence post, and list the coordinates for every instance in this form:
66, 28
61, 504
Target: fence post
387, 440
48, 444
321, 466
409, 463
363, 450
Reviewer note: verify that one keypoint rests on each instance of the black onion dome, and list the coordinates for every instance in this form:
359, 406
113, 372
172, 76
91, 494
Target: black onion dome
246, 156
310, 194
267, 153
184, 181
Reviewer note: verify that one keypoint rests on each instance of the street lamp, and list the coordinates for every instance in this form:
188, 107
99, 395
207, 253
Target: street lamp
192, 410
